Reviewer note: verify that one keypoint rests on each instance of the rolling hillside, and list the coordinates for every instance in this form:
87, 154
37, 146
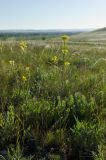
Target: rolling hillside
96, 35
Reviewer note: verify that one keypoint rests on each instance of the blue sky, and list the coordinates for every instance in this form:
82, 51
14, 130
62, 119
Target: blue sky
52, 14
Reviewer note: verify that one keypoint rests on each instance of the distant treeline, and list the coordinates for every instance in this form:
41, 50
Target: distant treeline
31, 35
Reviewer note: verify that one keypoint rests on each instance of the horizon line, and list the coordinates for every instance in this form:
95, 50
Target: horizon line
31, 29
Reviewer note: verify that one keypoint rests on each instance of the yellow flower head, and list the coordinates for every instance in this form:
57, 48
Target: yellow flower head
55, 59
64, 51
65, 37
12, 62
23, 45
24, 78
66, 63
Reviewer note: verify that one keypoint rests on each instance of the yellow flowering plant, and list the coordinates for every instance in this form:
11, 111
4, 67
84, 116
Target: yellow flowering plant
64, 48
12, 62
65, 37
23, 45
55, 59
65, 51
66, 63
24, 78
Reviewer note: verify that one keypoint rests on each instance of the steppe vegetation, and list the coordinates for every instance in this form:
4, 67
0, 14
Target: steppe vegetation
52, 100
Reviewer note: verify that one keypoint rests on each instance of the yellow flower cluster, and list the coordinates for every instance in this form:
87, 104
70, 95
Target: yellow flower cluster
55, 59
65, 37
11, 62
66, 63
24, 78
23, 45
65, 51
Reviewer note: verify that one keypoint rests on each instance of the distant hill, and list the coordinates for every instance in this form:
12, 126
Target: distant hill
100, 30
95, 35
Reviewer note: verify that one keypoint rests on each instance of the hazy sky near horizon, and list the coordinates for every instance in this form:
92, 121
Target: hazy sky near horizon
52, 14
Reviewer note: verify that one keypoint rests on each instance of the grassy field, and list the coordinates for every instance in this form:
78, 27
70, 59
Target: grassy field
53, 99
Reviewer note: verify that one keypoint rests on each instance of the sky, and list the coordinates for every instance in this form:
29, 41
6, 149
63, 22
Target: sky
52, 14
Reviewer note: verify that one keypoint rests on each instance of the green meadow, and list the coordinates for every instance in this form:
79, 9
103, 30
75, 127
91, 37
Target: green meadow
53, 99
